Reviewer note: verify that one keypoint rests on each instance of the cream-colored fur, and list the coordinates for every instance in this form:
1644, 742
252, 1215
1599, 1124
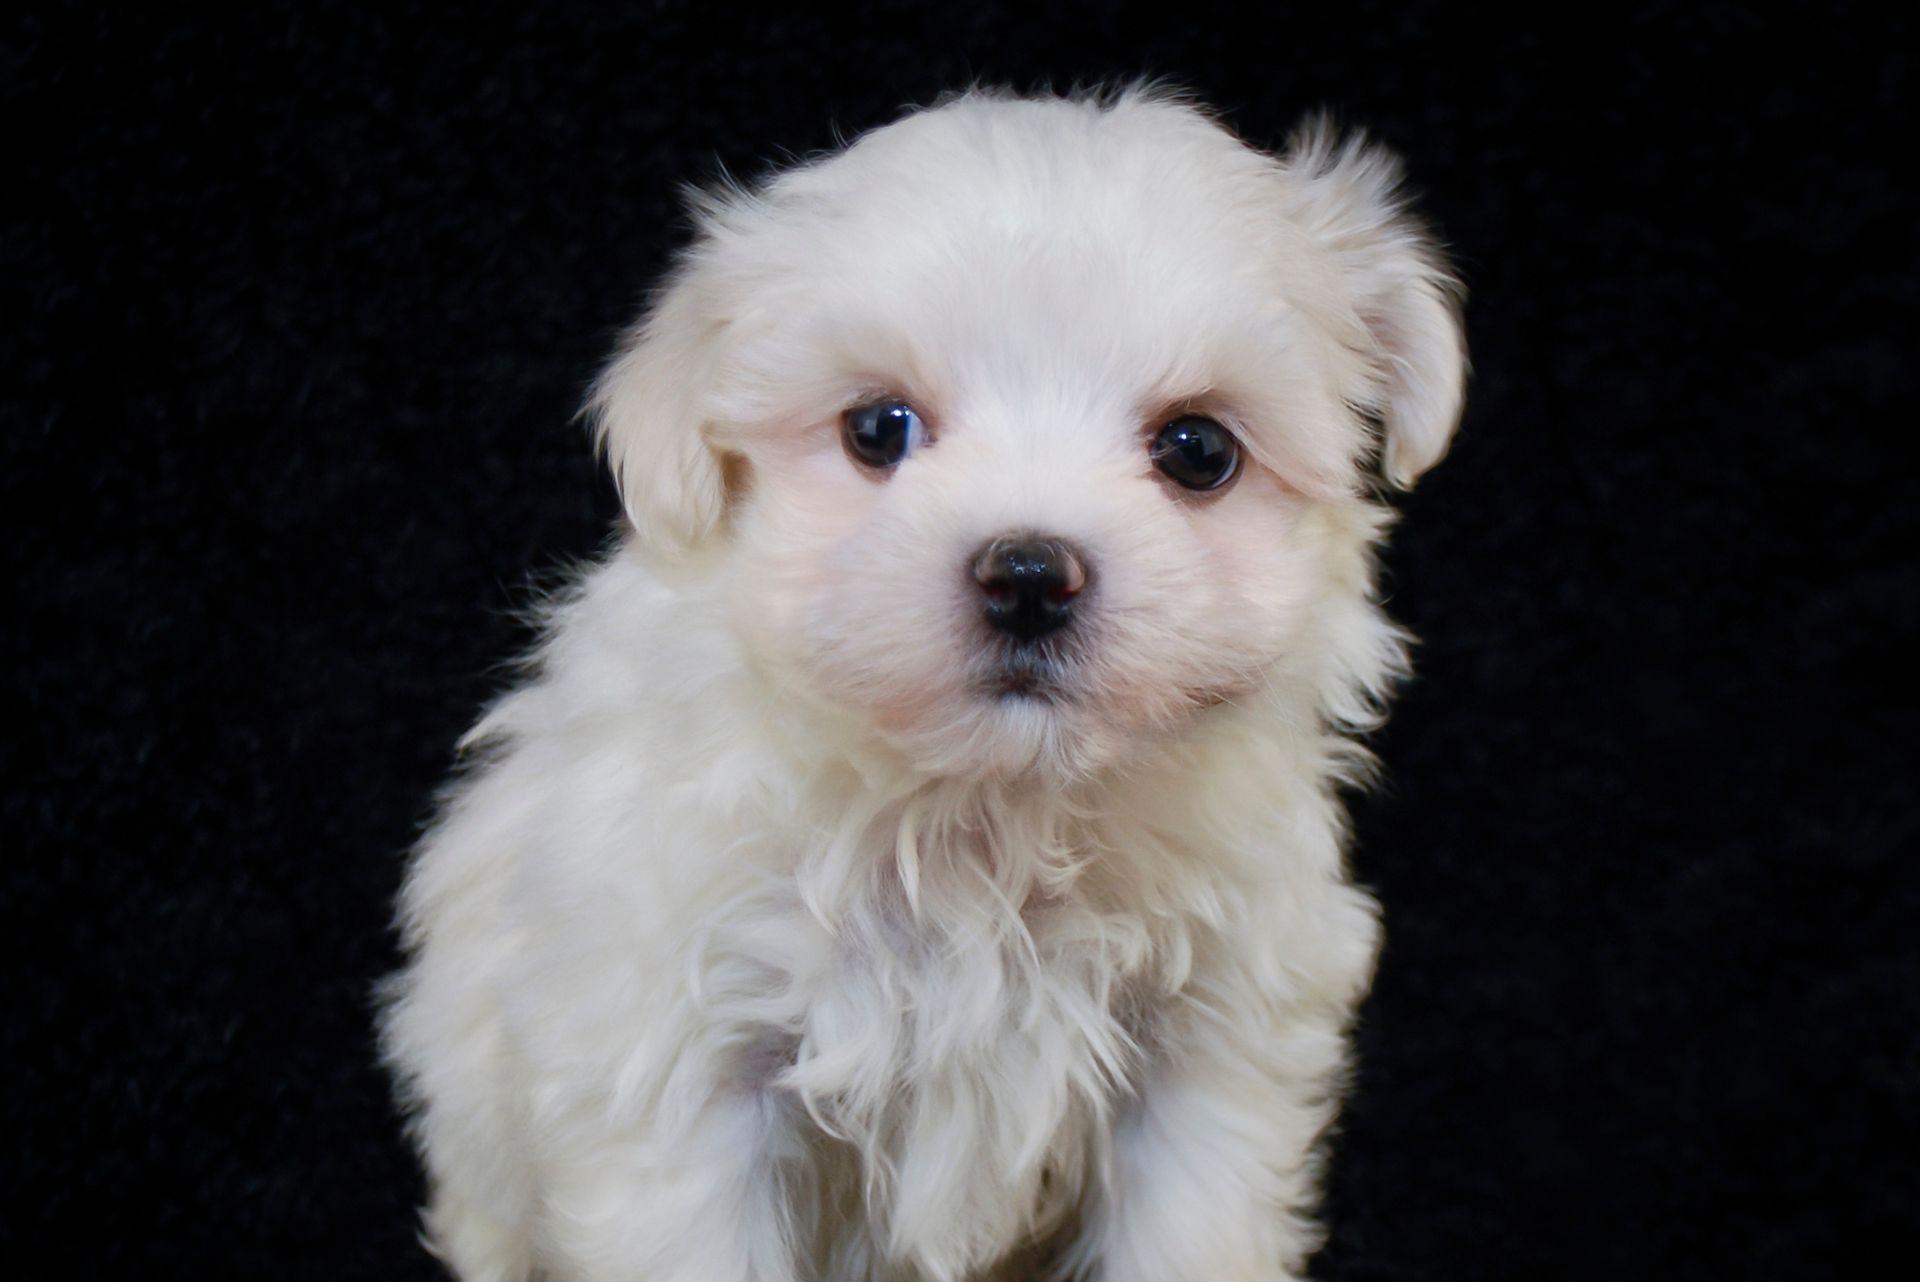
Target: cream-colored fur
760, 940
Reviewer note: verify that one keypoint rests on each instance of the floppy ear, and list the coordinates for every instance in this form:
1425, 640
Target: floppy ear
1404, 294
648, 412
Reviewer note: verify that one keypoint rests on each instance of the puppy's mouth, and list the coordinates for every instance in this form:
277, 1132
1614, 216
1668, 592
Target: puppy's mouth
1025, 675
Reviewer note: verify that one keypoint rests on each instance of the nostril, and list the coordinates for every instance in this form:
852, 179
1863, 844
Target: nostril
1073, 575
991, 571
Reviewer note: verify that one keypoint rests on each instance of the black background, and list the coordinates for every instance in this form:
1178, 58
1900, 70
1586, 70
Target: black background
304, 301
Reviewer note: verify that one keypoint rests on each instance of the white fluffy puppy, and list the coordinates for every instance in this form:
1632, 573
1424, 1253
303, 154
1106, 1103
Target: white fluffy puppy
919, 841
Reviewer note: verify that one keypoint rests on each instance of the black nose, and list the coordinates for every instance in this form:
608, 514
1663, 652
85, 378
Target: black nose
1029, 584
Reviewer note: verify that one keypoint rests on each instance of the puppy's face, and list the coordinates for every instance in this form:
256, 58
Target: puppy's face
1028, 431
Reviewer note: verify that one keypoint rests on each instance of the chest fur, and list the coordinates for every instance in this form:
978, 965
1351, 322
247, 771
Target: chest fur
959, 1072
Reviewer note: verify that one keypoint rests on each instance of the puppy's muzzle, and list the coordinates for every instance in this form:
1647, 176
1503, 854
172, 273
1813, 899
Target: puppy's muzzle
1028, 584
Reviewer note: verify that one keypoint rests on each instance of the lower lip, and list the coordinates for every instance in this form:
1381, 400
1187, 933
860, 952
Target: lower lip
1026, 685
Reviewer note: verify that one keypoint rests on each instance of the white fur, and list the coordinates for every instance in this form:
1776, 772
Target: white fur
758, 942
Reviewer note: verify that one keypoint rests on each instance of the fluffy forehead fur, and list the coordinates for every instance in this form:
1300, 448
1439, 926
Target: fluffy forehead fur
1130, 242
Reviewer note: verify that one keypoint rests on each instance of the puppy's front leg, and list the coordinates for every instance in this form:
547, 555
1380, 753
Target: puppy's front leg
695, 1198
1212, 1174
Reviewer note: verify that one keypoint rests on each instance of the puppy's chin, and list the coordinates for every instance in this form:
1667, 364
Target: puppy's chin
1010, 716
1024, 730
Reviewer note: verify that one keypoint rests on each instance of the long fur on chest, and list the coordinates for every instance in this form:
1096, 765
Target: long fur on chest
973, 1005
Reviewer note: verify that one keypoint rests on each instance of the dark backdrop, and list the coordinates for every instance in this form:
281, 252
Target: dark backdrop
302, 302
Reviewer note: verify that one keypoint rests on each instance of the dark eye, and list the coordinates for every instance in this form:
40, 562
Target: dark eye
1196, 452
883, 433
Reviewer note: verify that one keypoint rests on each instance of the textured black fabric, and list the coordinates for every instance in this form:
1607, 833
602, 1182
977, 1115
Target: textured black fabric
300, 302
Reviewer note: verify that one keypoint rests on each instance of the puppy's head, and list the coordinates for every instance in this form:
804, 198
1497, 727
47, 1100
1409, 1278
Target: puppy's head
1027, 431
